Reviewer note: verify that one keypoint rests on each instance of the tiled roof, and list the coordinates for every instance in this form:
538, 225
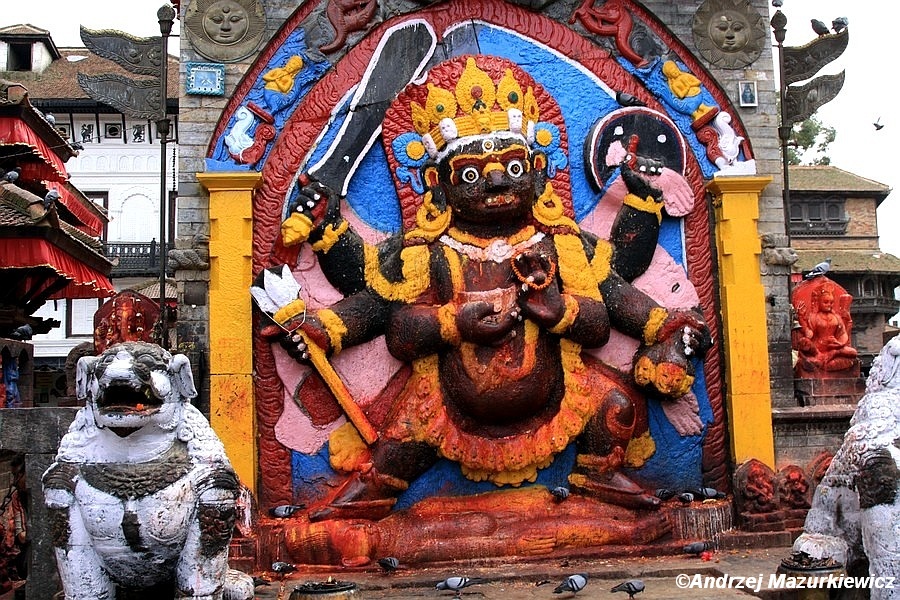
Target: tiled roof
849, 261
23, 29
60, 80
150, 288
827, 178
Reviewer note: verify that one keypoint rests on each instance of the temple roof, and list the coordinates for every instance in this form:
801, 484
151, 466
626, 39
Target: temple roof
827, 178
849, 261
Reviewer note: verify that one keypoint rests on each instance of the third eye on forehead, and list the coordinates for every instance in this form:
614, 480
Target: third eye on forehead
479, 161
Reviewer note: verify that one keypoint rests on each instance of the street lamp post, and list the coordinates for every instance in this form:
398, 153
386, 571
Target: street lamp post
778, 23
166, 16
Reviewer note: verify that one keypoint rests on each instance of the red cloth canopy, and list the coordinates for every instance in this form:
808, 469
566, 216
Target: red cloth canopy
85, 281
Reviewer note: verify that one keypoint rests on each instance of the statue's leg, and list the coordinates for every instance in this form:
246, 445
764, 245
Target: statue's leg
601, 453
80, 569
372, 492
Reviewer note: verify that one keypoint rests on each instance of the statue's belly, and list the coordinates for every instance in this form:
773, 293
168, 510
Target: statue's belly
503, 384
126, 533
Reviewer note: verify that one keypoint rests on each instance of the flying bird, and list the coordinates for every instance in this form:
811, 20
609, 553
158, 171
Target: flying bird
388, 564
820, 269
560, 493
819, 27
698, 547
573, 583
457, 583
285, 510
840, 24
631, 587
878, 124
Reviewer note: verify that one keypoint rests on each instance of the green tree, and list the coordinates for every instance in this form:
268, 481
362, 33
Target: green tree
809, 142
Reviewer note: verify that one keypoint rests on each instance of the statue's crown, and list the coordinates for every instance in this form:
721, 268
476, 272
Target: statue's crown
476, 104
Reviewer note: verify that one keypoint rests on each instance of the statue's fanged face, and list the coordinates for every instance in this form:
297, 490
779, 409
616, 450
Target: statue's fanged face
490, 179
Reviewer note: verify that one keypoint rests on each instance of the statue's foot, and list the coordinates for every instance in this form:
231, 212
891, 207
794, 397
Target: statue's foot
614, 488
363, 495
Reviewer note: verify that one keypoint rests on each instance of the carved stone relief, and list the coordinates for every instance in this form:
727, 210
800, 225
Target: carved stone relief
729, 33
225, 30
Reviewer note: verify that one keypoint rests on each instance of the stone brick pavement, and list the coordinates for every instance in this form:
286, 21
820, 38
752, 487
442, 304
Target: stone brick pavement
536, 580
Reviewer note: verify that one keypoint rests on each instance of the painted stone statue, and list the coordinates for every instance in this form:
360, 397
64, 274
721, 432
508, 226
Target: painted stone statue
141, 494
492, 297
855, 512
822, 340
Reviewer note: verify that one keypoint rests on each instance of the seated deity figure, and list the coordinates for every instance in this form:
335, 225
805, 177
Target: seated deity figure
823, 342
492, 294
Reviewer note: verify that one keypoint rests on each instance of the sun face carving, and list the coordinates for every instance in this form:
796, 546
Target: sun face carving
729, 33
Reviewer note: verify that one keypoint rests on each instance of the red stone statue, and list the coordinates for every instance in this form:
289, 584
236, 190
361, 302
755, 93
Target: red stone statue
822, 340
126, 317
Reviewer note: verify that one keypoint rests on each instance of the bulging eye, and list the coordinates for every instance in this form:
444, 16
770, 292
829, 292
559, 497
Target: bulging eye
515, 168
470, 175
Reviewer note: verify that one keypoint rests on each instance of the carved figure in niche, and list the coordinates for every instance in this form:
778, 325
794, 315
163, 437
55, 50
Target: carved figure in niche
490, 295
225, 30
729, 33
141, 494
823, 338
755, 488
856, 507
794, 490
127, 317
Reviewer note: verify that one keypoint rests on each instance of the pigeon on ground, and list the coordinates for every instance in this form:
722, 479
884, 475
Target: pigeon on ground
840, 24
820, 269
819, 27
708, 493
285, 510
457, 583
686, 498
560, 493
664, 493
632, 587
388, 564
283, 568
573, 583
260, 581
698, 547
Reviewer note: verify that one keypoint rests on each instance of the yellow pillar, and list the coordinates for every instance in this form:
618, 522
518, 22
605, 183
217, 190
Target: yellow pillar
232, 410
748, 399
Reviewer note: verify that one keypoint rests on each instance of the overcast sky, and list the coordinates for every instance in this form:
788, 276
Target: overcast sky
859, 148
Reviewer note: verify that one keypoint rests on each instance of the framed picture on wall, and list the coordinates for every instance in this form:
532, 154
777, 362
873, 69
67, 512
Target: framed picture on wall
747, 93
207, 79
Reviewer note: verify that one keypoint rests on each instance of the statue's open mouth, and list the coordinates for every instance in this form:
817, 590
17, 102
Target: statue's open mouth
125, 399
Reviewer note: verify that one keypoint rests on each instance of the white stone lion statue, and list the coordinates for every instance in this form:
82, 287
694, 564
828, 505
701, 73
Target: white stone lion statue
855, 512
141, 494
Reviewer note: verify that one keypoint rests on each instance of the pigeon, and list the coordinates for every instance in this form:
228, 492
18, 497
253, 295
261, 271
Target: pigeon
285, 510
283, 568
457, 583
626, 99
878, 124
560, 493
573, 583
664, 493
388, 564
708, 493
840, 24
22, 332
819, 270
50, 118
11, 176
631, 587
260, 581
77, 146
49, 198
777, 3
686, 498
819, 27
698, 547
